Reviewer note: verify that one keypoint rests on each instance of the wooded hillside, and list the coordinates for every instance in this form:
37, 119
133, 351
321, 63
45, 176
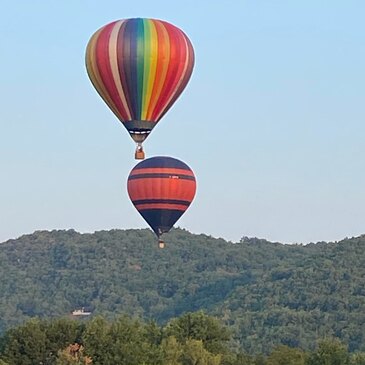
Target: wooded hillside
266, 293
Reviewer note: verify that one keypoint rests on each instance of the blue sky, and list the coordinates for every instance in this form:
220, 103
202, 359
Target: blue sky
272, 121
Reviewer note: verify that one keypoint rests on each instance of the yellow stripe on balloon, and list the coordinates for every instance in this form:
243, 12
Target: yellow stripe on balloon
163, 47
150, 65
113, 59
93, 72
90, 61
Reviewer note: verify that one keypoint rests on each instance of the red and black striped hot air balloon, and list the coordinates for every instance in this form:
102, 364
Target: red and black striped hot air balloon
161, 189
139, 67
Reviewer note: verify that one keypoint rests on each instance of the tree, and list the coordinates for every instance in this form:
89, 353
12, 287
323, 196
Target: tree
96, 339
199, 326
357, 359
194, 353
124, 342
171, 350
128, 344
238, 359
60, 333
329, 352
26, 344
284, 355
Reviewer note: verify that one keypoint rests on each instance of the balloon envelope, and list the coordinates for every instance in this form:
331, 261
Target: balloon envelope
161, 189
139, 67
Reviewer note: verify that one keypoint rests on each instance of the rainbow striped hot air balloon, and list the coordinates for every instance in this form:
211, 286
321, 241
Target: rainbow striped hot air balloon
139, 67
161, 189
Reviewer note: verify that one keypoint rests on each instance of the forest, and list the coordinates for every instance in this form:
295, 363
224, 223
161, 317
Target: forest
271, 297
191, 339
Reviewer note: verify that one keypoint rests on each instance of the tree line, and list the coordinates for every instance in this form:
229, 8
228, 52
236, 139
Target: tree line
191, 339
267, 293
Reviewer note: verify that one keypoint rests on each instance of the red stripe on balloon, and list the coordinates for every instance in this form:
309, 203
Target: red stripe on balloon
122, 54
103, 64
186, 76
179, 207
172, 89
160, 170
172, 71
150, 188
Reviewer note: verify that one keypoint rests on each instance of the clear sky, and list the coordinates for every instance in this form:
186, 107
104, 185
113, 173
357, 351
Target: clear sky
272, 121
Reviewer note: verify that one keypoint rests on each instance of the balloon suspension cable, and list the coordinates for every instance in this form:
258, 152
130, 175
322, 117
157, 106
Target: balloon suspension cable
139, 155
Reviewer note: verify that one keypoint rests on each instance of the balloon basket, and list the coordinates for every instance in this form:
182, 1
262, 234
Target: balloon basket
139, 155
161, 244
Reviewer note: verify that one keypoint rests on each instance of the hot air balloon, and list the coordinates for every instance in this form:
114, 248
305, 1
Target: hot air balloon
139, 67
161, 189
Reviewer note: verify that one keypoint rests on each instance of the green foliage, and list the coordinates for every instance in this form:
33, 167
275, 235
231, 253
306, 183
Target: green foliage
171, 351
201, 327
26, 345
240, 359
267, 293
128, 341
329, 352
37, 342
195, 353
357, 359
124, 341
284, 355
97, 340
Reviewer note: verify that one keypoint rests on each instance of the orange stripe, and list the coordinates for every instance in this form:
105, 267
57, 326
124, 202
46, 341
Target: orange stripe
163, 60
148, 188
177, 68
186, 74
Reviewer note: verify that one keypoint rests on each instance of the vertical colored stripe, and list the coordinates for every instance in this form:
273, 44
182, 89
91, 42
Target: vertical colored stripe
94, 74
174, 70
122, 57
150, 51
186, 75
140, 60
162, 65
153, 68
113, 58
146, 65
103, 63
130, 53
175, 89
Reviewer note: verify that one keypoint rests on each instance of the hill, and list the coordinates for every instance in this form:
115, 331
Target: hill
268, 293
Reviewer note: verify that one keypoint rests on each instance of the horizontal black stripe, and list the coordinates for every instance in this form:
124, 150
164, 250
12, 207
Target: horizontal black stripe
161, 201
139, 125
162, 162
157, 175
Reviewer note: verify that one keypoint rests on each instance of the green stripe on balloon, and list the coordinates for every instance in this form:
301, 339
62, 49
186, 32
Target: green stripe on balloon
147, 62
140, 65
